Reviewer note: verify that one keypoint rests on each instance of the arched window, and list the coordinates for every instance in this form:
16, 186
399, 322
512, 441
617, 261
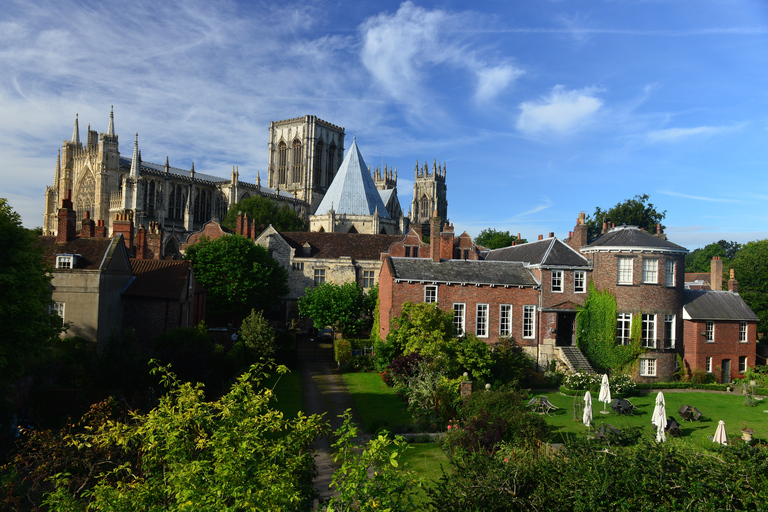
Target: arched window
331, 170
317, 171
202, 205
176, 203
282, 163
220, 206
424, 207
149, 199
296, 162
245, 195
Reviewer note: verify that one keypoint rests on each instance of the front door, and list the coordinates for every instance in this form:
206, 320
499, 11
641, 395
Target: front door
726, 371
565, 329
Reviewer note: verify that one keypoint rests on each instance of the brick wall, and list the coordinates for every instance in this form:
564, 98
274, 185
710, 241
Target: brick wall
725, 347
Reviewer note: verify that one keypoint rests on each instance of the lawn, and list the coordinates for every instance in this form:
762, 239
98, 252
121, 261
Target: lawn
287, 392
378, 405
714, 406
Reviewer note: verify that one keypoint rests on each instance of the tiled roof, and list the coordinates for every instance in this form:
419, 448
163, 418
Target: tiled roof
353, 191
709, 305
631, 236
499, 273
334, 245
91, 250
551, 251
162, 279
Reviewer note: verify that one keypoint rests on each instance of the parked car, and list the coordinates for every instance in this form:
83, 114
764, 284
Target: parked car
324, 335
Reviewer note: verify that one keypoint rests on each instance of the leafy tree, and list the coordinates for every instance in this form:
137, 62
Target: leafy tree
345, 307
637, 211
26, 323
235, 453
699, 260
258, 335
238, 275
751, 265
423, 328
264, 212
493, 239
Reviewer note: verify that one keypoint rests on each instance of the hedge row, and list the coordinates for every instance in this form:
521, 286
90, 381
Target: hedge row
668, 385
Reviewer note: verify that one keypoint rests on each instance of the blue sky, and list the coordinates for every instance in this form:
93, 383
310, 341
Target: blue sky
540, 109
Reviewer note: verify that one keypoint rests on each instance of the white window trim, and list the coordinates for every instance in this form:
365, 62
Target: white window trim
57, 308
427, 288
630, 274
316, 275
745, 331
650, 271
746, 364
650, 319
461, 325
481, 311
532, 310
583, 278
508, 326
674, 330
709, 335
670, 278
560, 275
644, 367
65, 261
708, 364
620, 318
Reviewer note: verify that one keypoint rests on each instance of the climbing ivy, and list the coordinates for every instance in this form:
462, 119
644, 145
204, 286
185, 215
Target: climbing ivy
596, 332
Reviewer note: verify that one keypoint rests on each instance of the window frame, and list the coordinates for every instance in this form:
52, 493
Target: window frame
708, 364
427, 289
624, 323
650, 271
319, 276
65, 261
505, 320
745, 366
460, 317
579, 281
369, 278
670, 276
743, 332
529, 321
709, 331
481, 320
57, 308
556, 276
625, 275
648, 367
648, 326
670, 340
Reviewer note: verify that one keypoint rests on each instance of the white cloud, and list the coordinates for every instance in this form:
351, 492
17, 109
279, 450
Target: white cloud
562, 111
676, 134
699, 198
493, 80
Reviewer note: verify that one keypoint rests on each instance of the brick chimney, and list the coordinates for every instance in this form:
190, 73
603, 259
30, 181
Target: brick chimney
88, 226
67, 220
154, 243
716, 274
100, 231
541, 237
446, 243
434, 238
579, 238
124, 226
660, 233
733, 284
141, 243
243, 225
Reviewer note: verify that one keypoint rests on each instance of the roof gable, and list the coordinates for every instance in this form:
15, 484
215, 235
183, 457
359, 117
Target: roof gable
624, 237
548, 252
496, 273
92, 251
335, 245
716, 305
162, 279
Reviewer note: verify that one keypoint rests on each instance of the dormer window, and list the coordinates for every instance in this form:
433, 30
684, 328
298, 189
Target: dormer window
66, 261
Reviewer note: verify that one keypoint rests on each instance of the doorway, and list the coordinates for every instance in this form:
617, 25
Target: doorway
726, 371
566, 322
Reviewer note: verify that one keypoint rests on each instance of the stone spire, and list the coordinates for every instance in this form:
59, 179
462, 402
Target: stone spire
76, 132
167, 167
111, 128
57, 176
136, 160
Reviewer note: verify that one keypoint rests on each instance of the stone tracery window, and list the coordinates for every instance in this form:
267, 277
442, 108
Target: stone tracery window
282, 163
317, 171
296, 162
86, 197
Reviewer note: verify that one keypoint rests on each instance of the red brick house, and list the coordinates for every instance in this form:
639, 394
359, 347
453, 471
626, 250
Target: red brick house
720, 333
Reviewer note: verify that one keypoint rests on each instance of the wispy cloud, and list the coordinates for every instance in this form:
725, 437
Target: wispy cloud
562, 111
676, 134
699, 198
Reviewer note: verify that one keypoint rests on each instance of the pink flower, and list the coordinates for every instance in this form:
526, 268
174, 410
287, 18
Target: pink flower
506, 459
449, 427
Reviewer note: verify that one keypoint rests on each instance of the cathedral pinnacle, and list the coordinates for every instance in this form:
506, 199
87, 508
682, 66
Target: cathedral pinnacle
111, 128
136, 160
76, 132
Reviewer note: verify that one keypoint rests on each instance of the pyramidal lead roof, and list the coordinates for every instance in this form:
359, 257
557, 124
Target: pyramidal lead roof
353, 191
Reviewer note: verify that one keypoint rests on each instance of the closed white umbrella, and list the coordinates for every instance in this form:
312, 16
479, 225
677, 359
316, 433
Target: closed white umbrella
605, 392
720, 436
659, 418
587, 417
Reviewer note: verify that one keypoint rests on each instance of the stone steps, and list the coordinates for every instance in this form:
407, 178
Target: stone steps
575, 360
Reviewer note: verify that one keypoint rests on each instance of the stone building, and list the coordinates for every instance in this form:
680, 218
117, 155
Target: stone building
429, 196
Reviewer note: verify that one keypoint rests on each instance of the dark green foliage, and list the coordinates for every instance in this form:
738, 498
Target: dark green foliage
509, 362
596, 332
264, 212
423, 327
405, 367
493, 239
751, 265
25, 280
362, 363
632, 212
258, 335
345, 307
342, 350
238, 275
189, 351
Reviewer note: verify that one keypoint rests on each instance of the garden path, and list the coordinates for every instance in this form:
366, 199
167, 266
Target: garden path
323, 392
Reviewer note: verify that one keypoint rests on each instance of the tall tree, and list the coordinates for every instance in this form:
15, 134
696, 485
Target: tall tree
345, 307
264, 212
493, 239
637, 211
26, 323
699, 260
238, 276
751, 266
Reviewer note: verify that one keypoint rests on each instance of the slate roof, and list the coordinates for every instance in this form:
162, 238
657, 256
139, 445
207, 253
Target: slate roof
709, 305
161, 279
548, 252
499, 273
623, 237
91, 251
353, 191
335, 245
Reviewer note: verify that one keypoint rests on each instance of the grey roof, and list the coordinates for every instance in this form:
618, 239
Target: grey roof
386, 195
622, 237
710, 305
548, 252
499, 273
353, 191
174, 170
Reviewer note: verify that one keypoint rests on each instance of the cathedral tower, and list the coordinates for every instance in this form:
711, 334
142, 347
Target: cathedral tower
304, 156
429, 196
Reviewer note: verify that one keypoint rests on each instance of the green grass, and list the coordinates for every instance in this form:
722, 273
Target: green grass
714, 406
378, 405
287, 392
425, 460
